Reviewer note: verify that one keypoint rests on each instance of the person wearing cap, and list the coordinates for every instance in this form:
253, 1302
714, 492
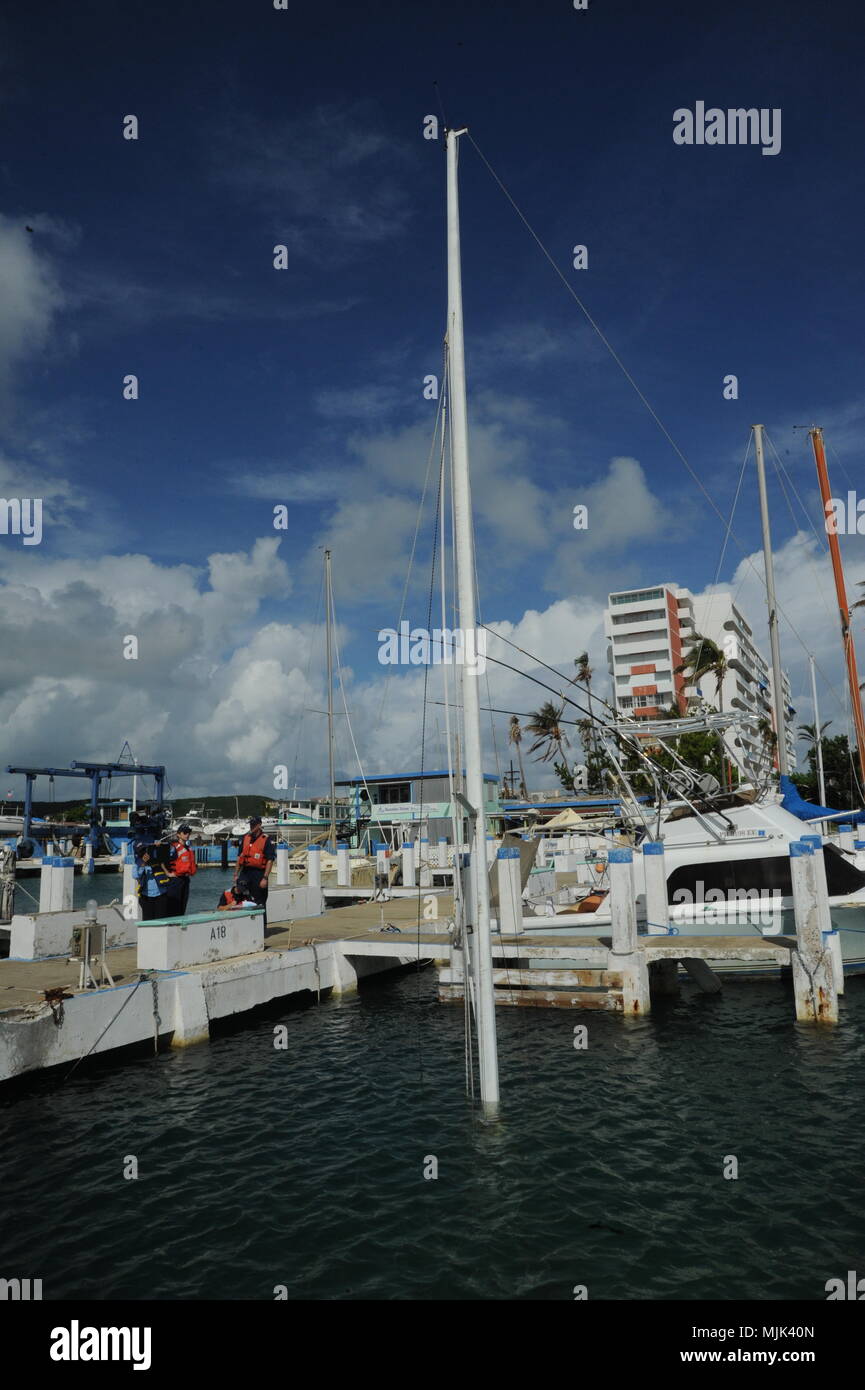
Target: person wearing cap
153, 883
183, 867
255, 861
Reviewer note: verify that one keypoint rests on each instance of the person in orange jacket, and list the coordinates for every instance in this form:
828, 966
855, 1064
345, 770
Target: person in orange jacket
254, 863
183, 867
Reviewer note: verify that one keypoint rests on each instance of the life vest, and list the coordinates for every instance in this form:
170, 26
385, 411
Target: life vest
184, 860
160, 877
230, 900
252, 851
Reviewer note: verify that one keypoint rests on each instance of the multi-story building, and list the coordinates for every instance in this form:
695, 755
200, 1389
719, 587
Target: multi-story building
649, 632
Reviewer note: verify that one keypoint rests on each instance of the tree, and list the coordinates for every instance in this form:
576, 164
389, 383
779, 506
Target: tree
705, 658
588, 732
809, 732
548, 733
515, 736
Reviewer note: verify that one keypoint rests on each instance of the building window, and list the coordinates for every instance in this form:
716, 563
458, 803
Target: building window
390, 792
639, 596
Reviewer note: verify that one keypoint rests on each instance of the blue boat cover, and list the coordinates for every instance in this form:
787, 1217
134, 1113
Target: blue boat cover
805, 810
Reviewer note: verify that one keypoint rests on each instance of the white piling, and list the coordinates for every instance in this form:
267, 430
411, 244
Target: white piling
283, 877
313, 865
130, 883
46, 880
846, 837
408, 878
510, 892
831, 939
813, 972
491, 848
62, 884
424, 864
89, 867
380, 857
624, 956
443, 852
343, 865
655, 870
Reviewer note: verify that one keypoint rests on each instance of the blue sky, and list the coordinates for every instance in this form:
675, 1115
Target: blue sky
304, 387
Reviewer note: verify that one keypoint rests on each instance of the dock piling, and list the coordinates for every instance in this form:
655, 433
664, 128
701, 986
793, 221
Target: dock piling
510, 892
408, 870
624, 957
343, 865
831, 939
313, 865
813, 970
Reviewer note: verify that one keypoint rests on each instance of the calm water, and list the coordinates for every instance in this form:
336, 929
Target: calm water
304, 1167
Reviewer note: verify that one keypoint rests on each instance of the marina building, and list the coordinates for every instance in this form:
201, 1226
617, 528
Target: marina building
387, 807
649, 632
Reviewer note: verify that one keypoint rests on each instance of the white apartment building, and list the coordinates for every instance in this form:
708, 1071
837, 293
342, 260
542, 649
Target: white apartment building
649, 632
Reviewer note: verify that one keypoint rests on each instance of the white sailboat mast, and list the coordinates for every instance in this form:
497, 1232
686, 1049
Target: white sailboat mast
774, 640
465, 561
328, 629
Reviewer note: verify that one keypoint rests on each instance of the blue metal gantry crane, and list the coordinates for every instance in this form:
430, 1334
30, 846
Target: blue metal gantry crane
95, 772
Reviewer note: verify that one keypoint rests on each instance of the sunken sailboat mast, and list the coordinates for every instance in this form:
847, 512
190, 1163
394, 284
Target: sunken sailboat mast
816, 435
774, 641
479, 939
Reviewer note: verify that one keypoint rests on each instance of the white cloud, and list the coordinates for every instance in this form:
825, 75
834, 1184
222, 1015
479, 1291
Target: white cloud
30, 296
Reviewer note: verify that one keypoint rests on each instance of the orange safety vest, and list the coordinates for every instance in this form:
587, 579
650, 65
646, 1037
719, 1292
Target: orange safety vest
184, 863
252, 851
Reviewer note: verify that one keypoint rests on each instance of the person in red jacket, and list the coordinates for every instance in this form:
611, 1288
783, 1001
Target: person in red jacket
254, 863
183, 867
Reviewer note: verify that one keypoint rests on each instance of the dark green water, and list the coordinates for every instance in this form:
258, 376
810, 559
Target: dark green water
304, 1167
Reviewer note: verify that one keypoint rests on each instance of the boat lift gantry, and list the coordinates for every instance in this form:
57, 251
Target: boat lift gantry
95, 772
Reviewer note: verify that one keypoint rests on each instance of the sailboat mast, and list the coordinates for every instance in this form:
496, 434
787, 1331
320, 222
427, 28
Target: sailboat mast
329, 605
480, 939
774, 640
841, 592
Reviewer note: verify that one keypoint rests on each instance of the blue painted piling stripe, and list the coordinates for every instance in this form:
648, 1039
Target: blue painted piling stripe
815, 840
315, 848
620, 856
799, 848
653, 847
508, 853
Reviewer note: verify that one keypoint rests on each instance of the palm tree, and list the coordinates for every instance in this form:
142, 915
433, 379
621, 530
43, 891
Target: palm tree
515, 736
809, 732
548, 732
584, 677
705, 658
769, 740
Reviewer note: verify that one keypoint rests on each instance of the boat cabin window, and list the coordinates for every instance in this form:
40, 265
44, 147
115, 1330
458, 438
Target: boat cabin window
768, 873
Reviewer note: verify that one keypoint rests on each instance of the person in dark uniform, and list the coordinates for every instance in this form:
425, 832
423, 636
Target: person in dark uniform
183, 867
254, 864
153, 883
